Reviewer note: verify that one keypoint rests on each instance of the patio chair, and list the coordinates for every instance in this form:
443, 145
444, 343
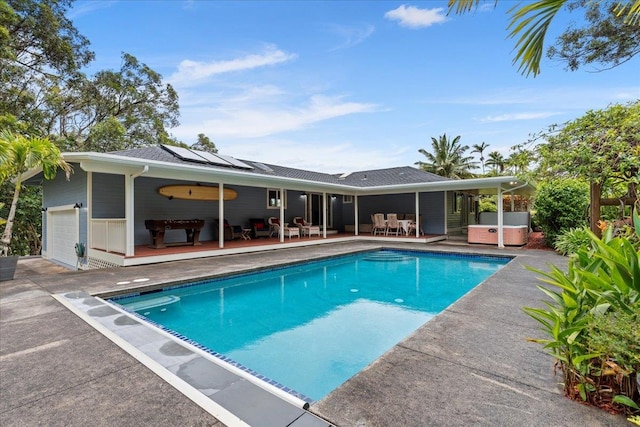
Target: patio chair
393, 224
259, 227
379, 225
306, 228
231, 232
274, 226
411, 229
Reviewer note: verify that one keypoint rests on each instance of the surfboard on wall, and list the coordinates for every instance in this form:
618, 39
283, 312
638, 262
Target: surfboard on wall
196, 192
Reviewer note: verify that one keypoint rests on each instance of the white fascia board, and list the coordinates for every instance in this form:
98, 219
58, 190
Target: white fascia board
108, 163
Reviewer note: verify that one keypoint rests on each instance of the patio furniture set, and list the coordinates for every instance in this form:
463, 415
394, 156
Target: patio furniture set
396, 224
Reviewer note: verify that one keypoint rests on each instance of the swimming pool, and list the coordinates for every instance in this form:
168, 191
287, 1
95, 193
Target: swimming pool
312, 326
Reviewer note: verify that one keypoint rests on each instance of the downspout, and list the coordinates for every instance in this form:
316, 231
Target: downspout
129, 209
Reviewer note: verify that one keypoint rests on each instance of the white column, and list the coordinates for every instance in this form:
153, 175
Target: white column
129, 199
446, 228
418, 225
356, 213
220, 215
500, 219
324, 215
282, 198
89, 209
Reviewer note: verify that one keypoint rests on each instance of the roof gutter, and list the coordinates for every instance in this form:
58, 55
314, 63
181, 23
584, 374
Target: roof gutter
144, 170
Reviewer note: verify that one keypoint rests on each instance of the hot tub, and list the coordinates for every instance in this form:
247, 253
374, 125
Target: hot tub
513, 235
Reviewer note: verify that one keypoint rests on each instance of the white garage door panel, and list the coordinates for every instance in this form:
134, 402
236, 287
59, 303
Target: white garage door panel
64, 236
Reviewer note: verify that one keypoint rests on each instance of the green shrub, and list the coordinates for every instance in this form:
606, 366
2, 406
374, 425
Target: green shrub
591, 321
561, 205
570, 241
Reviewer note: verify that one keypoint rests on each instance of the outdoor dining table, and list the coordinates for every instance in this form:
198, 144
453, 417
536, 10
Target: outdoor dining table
404, 223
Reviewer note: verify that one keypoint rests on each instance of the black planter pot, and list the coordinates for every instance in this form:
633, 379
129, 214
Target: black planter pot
8, 267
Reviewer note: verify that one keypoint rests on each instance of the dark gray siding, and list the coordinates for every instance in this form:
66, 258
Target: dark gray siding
108, 196
431, 209
250, 203
60, 192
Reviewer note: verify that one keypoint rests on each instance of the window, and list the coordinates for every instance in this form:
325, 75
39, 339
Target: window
457, 202
347, 199
274, 200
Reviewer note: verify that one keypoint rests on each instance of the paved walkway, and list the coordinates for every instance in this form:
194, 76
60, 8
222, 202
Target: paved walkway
471, 365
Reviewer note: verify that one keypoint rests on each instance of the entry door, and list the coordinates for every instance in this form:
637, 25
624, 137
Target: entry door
314, 209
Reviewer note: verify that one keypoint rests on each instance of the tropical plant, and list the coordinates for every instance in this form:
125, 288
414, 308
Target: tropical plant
530, 22
479, 148
496, 162
25, 153
572, 240
448, 158
561, 204
597, 295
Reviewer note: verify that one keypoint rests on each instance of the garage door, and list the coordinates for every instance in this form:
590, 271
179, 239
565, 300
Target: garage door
64, 236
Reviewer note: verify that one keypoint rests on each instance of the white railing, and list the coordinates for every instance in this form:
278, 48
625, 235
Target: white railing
109, 235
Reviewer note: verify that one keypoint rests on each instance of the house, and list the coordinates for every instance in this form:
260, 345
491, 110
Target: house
109, 197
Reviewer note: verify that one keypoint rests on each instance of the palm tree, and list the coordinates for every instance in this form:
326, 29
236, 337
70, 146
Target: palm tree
520, 160
529, 22
496, 162
448, 158
479, 148
19, 154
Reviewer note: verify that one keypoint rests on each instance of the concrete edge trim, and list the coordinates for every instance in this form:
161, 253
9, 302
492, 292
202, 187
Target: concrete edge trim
229, 367
182, 386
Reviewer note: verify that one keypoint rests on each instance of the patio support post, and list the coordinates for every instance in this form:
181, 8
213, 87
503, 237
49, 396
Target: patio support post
500, 219
324, 215
446, 222
282, 199
220, 215
418, 225
89, 210
129, 209
356, 213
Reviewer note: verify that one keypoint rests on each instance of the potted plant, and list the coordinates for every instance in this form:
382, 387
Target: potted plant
18, 154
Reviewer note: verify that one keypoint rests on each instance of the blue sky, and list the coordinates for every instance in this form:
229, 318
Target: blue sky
338, 86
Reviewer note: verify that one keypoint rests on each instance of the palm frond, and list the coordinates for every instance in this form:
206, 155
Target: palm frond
531, 22
632, 9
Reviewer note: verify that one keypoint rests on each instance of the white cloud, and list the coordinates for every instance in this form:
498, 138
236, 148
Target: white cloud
193, 72
319, 156
518, 116
253, 114
413, 17
88, 7
351, 36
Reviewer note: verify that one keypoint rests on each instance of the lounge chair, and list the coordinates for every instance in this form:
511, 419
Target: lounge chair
306, 228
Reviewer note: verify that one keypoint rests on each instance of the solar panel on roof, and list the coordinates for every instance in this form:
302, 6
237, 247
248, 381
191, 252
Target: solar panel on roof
235, 162
212, 158
263, 167
184, 153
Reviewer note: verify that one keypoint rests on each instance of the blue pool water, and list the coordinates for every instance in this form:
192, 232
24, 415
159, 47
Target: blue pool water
312, 326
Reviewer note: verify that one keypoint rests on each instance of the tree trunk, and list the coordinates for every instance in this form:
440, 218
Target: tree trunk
8, 229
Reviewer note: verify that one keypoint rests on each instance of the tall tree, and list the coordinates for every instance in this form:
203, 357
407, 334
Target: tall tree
43, 90
448, 158
39, 47
115, 110
204, 144
520, 160
530, 22
602, 147
496, 162
605, 41
479, 148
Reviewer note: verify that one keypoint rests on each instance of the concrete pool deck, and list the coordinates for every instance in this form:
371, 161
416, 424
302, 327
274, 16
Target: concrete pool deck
471, 365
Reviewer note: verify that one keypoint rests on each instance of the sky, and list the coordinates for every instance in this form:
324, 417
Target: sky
341, 86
